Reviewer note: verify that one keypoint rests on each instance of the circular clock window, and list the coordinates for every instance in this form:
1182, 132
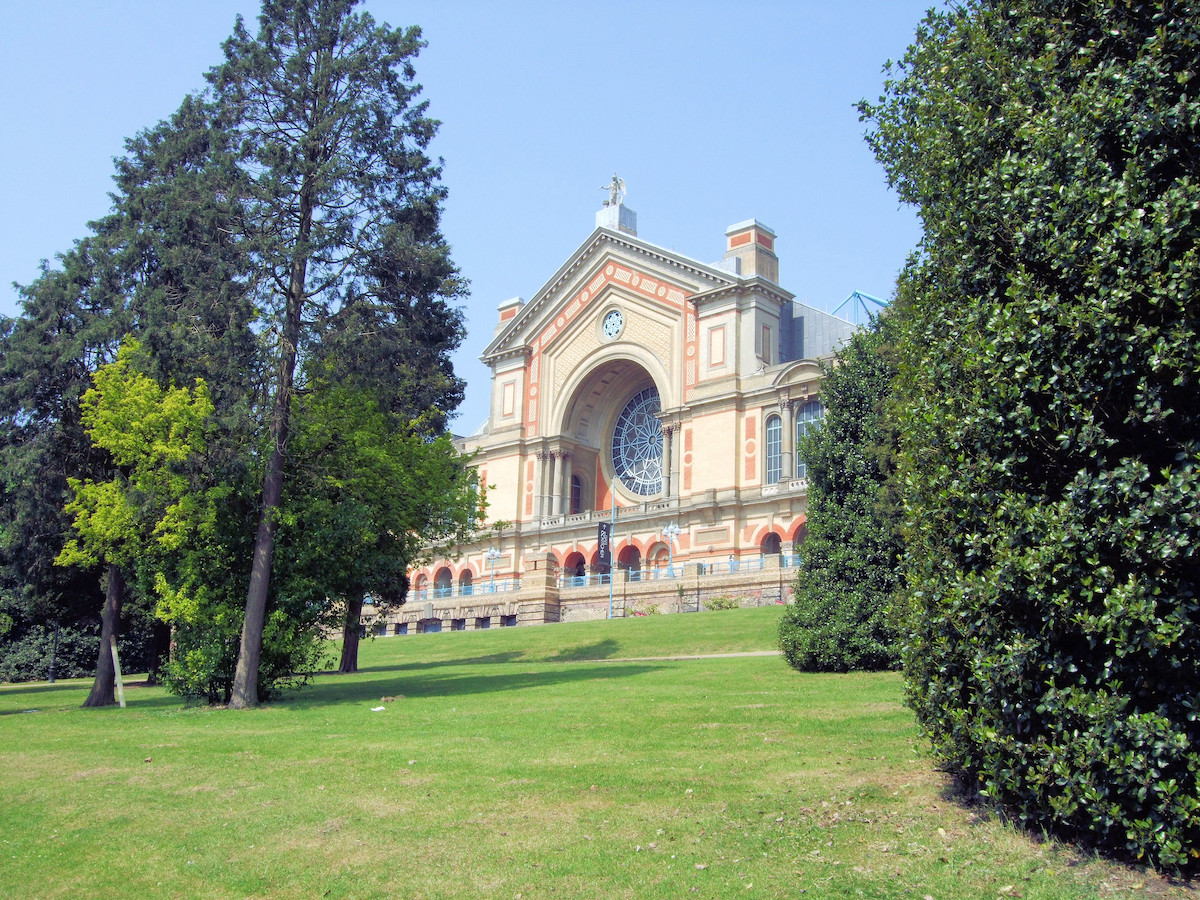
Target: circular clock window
613, 323
637, 444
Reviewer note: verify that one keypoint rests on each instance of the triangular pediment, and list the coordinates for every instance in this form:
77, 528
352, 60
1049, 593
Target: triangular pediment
606, 262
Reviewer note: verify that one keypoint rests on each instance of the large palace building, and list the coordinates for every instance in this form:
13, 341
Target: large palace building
653, 391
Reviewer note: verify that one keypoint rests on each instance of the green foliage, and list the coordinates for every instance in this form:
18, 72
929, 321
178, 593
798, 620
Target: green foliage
27, 656
841, 617
367, 493
150, 432
719, 603
1051, 456
46, 359
340, 210
288, 216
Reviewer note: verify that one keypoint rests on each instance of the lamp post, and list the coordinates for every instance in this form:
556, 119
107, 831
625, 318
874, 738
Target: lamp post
492, 555
671, 532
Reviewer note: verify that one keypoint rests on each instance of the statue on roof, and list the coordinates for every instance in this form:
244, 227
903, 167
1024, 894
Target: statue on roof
616, 191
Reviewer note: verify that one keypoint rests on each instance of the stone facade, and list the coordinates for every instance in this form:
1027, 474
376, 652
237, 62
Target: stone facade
647, 389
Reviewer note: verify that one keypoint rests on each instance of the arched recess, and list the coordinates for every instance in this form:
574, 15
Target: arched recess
466, 582
574, 566
771, 544
599, 387
585, 415
800, 535
630, 558
658, 555
443, 582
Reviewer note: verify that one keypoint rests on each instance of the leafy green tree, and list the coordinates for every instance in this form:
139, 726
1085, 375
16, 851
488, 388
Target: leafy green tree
341, 193
1052, 437
841, 618
147, 503
368, 493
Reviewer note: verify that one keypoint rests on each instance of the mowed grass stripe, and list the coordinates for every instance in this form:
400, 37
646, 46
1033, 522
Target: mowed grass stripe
524, 761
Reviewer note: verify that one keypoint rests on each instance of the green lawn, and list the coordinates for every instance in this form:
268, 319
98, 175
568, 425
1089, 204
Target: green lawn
524, 762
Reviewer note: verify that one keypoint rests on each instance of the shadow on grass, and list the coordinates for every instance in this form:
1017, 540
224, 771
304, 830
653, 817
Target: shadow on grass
50, 695
350, 689
18, 689
598, 650
371, 683
507, 656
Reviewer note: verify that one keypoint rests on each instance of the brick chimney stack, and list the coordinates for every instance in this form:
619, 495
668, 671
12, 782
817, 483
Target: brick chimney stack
752, 244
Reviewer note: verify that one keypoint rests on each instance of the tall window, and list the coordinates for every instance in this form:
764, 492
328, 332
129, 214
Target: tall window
809, 419
576, 496
774, 449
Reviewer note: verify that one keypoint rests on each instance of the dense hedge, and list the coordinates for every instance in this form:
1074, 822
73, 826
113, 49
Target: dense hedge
1052, 436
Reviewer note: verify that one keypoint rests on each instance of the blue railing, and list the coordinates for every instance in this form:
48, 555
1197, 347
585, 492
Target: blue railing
672, 572
575, 581
500, 586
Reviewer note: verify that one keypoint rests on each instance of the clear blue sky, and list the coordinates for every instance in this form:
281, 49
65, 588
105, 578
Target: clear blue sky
712, 112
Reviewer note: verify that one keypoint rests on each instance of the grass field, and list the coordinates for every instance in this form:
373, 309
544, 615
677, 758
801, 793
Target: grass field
515, 763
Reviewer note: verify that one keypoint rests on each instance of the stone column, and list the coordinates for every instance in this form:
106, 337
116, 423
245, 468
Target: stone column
566, 485
667, 431
789, 438
555, 484
539, 500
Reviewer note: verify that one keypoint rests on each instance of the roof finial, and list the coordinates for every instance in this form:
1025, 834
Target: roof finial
616, 191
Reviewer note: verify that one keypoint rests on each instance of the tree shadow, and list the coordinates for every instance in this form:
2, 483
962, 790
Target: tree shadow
599, 650
330, 691
505, 657
134, 699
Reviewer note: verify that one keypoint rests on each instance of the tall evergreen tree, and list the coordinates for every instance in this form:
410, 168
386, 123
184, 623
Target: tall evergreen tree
1052, 436
842, 615
71, 324
164, 264
333, 144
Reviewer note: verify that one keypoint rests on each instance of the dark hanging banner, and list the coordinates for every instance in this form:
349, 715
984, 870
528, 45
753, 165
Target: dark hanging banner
604, 536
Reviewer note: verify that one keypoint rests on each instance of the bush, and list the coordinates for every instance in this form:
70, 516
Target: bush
26, 655
821, 633
719, 603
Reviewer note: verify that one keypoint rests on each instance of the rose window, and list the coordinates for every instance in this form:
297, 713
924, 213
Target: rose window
637, 444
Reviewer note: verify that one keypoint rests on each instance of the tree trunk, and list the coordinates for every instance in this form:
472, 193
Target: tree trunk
244, 693
103, 692
160, 636
350, 632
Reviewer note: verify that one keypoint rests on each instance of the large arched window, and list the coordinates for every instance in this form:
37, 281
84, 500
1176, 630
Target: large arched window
637, 444
774, 432
809, 419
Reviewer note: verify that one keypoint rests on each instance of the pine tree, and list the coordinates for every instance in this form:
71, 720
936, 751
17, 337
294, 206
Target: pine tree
341, 190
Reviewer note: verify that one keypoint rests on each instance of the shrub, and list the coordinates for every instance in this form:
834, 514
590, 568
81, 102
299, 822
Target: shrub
1051, 446
719, 603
